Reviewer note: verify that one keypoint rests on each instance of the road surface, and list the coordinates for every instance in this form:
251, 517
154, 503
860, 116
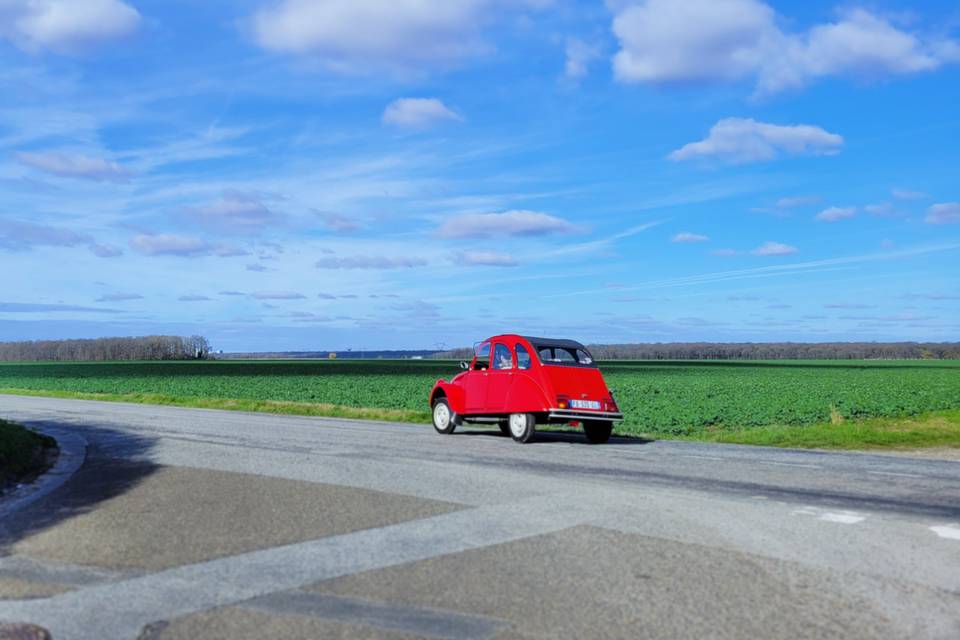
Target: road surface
188, 523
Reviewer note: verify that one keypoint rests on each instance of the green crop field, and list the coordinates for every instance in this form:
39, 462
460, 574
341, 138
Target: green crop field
659, 398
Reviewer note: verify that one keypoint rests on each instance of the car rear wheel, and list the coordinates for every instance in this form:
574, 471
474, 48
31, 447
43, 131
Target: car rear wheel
522, 426
444, 419
597, 432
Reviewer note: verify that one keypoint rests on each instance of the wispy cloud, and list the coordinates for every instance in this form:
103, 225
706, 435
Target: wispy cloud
21, 236
508, 223
29, 307
370, 262
944, 213
277, 295
234, 212
485, 259
779, 270
66, 165
119, 297
166, 244
835, 214
771, 248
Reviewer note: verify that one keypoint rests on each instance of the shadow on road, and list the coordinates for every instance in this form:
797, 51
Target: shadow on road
570, 437
115, 463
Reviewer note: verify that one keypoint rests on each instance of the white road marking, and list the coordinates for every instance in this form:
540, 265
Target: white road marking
690, 455
952, 533
119, 610
842, 517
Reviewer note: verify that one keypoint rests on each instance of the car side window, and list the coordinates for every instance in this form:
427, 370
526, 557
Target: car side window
483, 356
523, 357
583, 357
501, 357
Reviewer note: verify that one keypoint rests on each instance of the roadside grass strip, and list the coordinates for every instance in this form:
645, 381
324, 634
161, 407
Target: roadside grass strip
932, 429
22, 452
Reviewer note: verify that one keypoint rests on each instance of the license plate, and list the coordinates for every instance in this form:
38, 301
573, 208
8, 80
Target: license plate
584, 404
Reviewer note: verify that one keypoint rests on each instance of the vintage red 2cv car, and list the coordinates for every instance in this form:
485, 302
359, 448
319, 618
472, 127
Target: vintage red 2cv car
518, 382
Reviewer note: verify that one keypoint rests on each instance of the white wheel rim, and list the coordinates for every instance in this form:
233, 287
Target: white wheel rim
441, 416
518, 424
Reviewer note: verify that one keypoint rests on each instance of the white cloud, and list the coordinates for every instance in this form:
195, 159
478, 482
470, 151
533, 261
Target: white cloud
771, 248
686, 236
945, 213
119, 297
106, 250
75, 166
835, 214
234, 212
277, 295
358, 36
193, 298
796, 201
337, 222
166, 244
908, 194
65, 26
665, 41
418, 113
742, 140
485, 259
21, 236
881, 209
509, 223
369, 262
579, 56
169, 244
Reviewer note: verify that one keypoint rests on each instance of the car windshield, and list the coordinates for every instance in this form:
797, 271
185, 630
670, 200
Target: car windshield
552, 354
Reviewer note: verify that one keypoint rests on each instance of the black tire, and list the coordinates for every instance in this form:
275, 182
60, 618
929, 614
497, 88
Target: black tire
597, 432
522, 426
442, 407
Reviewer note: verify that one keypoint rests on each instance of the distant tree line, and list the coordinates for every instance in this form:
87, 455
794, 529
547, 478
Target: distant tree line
98, 349
762, 351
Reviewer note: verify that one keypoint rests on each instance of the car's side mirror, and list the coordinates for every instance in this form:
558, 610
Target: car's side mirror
464, 364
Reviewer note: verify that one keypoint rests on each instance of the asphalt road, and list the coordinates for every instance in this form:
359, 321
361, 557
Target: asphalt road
179, 523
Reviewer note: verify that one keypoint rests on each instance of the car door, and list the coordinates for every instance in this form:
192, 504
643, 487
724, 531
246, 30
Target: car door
500, 378
475, 382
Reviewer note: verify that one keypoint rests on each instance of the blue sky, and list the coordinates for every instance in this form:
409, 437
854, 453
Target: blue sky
329, 174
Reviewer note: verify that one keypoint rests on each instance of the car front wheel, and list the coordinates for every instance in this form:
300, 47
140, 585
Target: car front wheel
444, 419
522, 426
597, 432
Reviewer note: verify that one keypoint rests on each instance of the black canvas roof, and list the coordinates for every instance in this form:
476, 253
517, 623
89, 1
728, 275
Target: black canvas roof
554, 342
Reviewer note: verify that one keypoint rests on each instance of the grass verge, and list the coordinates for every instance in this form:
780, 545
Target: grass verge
934, 429
22, 452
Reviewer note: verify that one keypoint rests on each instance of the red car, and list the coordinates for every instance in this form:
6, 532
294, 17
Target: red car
518, 382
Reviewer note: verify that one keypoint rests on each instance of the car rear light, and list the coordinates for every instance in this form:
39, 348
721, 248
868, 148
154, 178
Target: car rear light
610, 405
563, 402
